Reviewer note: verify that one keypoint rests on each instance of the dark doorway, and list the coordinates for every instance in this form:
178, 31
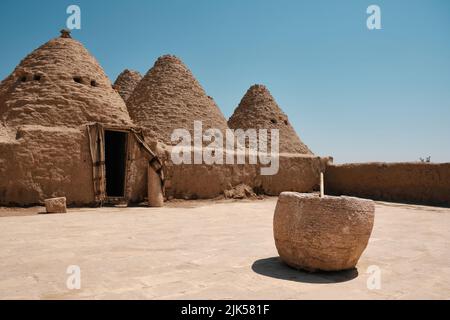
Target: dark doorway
115, 162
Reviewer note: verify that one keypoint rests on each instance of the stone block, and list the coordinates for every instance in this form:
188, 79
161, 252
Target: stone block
56, 205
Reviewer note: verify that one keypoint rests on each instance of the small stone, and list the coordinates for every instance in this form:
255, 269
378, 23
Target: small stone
56, 205
65, 33
240, 191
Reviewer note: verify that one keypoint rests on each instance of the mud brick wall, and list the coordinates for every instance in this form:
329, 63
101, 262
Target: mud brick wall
420, 183
46, 162
299, 173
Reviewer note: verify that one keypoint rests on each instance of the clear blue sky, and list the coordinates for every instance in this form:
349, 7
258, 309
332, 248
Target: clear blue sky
355, 94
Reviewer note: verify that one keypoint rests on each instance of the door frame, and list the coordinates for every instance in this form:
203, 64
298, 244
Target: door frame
124, 199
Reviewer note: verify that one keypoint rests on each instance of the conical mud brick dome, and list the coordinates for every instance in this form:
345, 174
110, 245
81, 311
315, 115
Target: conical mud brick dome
169, 98
259, 110
126, 82
60, 84
46, 106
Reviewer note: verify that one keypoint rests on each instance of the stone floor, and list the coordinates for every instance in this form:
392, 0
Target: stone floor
210, 250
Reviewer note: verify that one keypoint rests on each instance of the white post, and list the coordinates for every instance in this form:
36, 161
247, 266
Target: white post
322, 192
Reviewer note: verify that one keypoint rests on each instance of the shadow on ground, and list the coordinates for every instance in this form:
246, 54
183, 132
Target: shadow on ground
275, 268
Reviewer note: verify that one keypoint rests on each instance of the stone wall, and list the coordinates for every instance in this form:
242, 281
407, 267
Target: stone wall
421, 183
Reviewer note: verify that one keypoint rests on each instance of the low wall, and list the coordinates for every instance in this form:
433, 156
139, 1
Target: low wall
421, 183
200, 181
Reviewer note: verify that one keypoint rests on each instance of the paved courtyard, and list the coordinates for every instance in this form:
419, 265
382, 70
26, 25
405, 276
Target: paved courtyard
211, 250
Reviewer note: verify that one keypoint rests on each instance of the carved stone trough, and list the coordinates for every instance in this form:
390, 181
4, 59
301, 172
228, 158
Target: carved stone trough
322, 233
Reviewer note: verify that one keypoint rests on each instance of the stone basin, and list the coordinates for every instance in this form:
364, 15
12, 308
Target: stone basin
322, 234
